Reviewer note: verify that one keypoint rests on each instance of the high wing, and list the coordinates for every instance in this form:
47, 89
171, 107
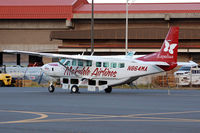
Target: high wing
47, 54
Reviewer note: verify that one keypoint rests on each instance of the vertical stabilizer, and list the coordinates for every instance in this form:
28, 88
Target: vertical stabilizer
168, 51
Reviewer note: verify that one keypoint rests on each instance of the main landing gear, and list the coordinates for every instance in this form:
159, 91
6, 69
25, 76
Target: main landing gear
74, 89
108, 90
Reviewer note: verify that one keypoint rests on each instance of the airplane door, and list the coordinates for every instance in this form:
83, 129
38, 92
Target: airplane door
65, 83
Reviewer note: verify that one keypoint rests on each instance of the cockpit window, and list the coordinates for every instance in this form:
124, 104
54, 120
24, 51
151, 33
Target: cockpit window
67, 63
62, 61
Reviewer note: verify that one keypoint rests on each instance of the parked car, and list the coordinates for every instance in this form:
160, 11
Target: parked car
188, 76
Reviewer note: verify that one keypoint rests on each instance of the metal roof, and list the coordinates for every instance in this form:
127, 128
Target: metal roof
142, 8
65, 9
36, 2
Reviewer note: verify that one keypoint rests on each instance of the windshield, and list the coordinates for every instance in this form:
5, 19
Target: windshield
62, 61
184, 69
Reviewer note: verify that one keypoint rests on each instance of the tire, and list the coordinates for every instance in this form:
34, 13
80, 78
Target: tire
1, 84
74, 89
108, 90
51, 88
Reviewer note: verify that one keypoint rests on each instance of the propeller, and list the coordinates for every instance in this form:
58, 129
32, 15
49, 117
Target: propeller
40, 77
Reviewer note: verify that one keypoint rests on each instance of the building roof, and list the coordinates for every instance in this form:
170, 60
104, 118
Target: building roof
142, 8
65, 9
36, 2
39, 9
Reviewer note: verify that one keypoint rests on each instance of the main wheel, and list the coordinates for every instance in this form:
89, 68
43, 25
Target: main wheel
51, 88
108, 90
74, 89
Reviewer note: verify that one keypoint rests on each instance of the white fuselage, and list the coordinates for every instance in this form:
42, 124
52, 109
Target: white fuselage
115, 70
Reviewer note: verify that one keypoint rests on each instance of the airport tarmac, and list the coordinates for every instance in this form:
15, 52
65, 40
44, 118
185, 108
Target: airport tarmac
34, 110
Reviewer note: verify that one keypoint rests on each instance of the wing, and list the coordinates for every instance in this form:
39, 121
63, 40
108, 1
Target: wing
80, 57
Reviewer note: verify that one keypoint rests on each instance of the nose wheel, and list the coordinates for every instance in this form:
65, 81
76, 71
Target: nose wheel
51, 88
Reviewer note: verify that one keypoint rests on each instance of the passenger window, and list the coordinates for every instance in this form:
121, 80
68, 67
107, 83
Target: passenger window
74, 81
105, 64
73, 62
65, 81
98, 64
102, 82
80, 63
88, 63
67, 63
114, 65
121, 65
92, 82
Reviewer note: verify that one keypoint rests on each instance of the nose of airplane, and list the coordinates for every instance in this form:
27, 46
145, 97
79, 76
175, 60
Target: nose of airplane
45, 68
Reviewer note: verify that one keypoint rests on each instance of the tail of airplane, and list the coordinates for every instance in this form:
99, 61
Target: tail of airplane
168, 51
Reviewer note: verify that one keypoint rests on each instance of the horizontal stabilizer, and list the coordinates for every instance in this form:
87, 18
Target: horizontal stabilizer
190, 63
158, 63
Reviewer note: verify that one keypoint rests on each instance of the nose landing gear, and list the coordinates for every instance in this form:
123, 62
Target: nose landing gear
51, 88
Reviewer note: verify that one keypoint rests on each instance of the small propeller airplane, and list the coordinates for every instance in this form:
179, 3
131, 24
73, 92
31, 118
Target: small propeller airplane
104, 72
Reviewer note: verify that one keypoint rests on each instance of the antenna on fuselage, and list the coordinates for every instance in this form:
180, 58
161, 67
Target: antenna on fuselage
83, 52
92, 53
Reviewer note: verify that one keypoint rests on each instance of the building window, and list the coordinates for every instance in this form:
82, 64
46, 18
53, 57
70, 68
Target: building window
98, 64
106, 64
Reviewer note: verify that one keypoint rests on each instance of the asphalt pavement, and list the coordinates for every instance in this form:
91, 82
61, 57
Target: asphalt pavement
35, 110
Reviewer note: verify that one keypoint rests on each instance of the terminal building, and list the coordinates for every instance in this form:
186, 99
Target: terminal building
63, 26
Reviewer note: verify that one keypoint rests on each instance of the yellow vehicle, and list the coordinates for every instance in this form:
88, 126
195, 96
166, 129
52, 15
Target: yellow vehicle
5, 79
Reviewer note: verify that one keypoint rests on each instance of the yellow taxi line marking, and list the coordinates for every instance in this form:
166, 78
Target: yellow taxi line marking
42, 116
167, 113
101, 118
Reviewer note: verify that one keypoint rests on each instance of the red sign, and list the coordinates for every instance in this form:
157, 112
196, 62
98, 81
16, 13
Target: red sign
85, 71
137, 68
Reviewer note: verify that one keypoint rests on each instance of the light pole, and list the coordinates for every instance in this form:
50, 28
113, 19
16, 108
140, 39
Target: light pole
92, 28
126, 47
